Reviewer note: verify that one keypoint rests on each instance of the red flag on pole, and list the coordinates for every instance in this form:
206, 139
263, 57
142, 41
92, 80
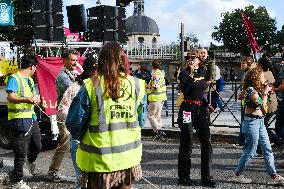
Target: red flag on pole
250, 30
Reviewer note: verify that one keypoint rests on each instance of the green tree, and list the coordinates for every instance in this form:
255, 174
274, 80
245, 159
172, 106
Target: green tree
188, 37
192, 38
280, 38
232, 33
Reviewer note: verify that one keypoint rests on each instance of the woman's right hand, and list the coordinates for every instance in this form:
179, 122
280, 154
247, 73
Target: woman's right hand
241, 95
267, 89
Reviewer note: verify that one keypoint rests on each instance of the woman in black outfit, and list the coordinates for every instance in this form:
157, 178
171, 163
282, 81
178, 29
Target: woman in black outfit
194, 113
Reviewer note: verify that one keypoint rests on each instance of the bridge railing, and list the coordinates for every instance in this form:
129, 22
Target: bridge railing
150, 51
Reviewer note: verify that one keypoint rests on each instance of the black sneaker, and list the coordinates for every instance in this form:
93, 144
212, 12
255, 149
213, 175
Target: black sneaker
159, 134
54, 176
209, 183
186, 181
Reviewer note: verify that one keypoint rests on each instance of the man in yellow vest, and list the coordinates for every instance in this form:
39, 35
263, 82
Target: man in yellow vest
156, 96
21, 99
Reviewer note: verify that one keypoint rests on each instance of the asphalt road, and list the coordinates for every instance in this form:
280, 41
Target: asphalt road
159, 166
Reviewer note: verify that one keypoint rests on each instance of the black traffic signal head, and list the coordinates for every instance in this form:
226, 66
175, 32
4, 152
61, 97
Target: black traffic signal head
123, 3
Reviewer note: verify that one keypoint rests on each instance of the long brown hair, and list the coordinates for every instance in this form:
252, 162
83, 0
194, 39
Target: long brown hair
252, 79
111, 65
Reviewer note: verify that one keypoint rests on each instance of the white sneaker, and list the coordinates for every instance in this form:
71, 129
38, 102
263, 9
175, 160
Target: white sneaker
278, 180
31, 167
21, 185
241, 179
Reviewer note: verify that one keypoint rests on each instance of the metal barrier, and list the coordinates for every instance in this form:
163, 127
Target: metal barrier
236, 87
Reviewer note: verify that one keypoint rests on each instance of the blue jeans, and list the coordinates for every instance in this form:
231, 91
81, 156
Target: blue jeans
219, 102
73, 149
255, 132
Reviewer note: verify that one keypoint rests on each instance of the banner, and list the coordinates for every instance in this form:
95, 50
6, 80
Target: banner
6, 13
46, 74
72, 37
250, 30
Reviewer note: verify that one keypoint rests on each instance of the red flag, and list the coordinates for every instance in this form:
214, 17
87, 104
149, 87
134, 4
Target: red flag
46, 73
250, 30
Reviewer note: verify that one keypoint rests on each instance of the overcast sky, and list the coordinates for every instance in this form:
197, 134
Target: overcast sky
198, 16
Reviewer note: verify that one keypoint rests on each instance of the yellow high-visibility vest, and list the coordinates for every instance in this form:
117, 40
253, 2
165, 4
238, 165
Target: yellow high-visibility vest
113, 139
21, 110
159, 94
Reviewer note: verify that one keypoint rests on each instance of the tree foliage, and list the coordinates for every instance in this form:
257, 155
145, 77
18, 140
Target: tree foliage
232, 33
192, 38
280, 38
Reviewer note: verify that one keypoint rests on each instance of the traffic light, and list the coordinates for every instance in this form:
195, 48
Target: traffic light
186, 46
123, 3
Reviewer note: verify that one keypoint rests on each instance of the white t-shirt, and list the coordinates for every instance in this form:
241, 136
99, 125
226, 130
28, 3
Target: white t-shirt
218, 73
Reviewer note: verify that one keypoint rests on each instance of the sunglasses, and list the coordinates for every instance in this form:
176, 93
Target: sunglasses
191, 57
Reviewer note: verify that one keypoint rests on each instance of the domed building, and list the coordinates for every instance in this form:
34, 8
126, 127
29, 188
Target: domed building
141, 29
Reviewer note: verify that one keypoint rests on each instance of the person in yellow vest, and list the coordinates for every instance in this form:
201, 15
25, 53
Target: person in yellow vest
110, 149
21, 99
156, 96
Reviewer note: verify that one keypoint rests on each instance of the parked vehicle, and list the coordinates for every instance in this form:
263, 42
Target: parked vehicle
8, 65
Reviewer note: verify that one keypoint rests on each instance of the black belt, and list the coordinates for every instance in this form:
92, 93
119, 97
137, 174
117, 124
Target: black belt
253, 116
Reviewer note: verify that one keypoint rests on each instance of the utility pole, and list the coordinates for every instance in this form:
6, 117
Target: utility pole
182, 46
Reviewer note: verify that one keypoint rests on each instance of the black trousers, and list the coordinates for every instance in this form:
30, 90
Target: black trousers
199, 116
279, 124
25, 144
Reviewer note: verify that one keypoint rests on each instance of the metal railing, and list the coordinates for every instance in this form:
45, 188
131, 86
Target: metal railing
235, 89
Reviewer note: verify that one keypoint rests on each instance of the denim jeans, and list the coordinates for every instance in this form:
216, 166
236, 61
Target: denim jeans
219, 101
255, 132
73, 149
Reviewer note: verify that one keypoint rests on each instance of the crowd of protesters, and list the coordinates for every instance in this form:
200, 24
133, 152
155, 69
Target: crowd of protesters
101, 112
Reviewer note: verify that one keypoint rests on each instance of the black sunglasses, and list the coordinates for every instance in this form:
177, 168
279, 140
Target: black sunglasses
191, 57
